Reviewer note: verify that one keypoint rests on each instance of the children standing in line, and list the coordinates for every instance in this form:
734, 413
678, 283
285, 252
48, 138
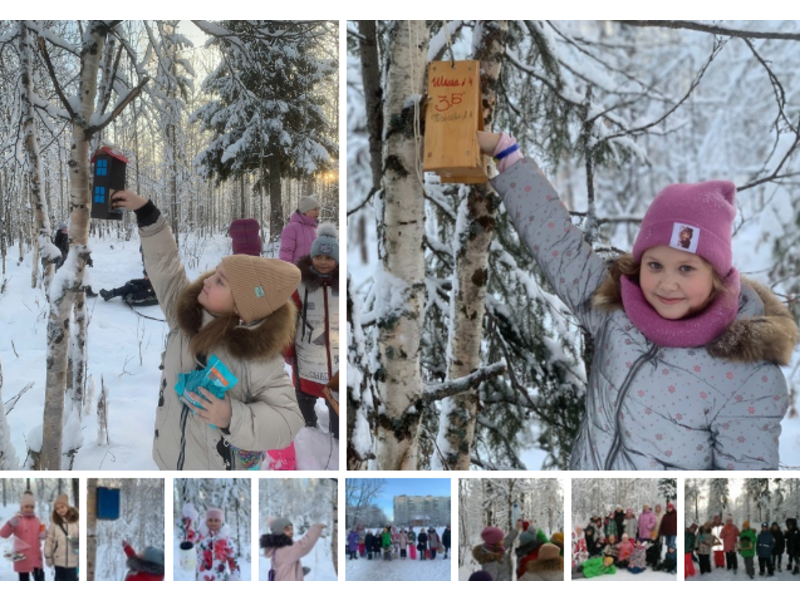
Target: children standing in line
684, 349
61, 545
216, 550
28, 532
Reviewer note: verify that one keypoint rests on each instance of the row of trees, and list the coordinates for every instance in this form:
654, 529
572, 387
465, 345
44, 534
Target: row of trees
263, 121
757, 499
592, 497
459, 356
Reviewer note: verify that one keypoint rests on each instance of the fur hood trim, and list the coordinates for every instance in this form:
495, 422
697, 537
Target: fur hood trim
139, 565
770, 337
223, 531
72, 515
280, 540
483, 555
311, 280
260, 340
539, 566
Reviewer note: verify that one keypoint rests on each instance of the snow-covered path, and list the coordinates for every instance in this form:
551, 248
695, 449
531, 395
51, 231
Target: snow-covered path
398, 570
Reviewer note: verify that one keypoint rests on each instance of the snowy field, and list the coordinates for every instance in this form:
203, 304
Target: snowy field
124, 351
725, 575
179, 574
6, 566
319, 560
400, 569
625, 575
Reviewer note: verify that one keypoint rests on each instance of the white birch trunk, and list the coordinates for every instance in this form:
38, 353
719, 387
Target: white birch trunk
63, 298
402, 283
43, 248
475, 230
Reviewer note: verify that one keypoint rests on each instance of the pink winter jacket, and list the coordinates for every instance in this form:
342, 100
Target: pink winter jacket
30, 534
297, 237
647, 523
729, 536
286, 560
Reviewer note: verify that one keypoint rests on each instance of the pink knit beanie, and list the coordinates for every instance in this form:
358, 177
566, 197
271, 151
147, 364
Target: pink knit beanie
693, 217
492, 535
244, 237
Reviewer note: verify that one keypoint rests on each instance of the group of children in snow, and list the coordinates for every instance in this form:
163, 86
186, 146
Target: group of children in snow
28, 533
210, 551
724, 541
621, 540
393, 543
538, 558
225, 400
685, 348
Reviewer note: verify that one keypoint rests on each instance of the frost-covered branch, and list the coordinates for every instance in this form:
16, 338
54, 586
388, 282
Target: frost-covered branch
438, 391
717, 30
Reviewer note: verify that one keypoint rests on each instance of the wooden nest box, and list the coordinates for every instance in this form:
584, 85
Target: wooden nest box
109, 177
454, 113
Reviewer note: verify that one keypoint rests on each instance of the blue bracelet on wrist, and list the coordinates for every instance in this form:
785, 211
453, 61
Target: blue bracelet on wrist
507, 151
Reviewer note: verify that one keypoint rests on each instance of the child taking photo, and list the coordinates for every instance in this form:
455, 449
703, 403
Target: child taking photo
685, 373
61, 545
241, 316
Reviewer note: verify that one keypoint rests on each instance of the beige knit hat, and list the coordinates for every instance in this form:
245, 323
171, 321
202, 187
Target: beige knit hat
260, 286
62, 499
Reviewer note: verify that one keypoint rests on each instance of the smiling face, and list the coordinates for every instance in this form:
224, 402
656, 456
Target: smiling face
216, 296
675, 283
213, 523
27, 507
323, 264
62, 509
289, 531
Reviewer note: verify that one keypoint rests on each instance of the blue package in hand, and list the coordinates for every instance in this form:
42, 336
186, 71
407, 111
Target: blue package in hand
216, 378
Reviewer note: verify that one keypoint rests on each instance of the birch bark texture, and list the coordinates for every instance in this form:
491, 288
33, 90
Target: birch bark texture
401, 281
475, 225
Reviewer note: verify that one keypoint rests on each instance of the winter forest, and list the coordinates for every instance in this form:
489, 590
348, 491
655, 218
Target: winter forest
753, 500
45, 492
592, 497
304, 502
460, 356
217, 121
500, 503
193, 499
140, 524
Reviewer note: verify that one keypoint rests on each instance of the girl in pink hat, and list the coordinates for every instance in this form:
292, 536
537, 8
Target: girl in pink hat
217, 557
27, 532
685, 373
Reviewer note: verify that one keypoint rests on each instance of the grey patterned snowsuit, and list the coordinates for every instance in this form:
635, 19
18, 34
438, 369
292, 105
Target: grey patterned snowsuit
648, 407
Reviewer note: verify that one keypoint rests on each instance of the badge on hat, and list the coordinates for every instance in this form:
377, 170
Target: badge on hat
259, 291
685, 237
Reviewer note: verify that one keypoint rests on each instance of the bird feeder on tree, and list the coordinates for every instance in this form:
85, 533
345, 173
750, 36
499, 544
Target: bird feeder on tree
109, 167
108, 503
453, 115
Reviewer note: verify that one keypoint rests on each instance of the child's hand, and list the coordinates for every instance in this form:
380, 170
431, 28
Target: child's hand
215, 411
128, 199
14, 521
488, 141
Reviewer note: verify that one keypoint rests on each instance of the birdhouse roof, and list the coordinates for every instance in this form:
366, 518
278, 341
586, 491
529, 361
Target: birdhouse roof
112, 152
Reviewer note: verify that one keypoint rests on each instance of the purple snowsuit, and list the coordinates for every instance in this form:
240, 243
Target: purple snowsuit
650, 407
297, 237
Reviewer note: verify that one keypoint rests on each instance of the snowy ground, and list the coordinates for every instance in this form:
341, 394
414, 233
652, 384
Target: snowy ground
179, 574
625, 575
124, 352
6, 566
319, 560
400, 569
725, 575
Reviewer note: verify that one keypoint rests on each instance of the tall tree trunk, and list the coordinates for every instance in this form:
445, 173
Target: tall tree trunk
91, 528
373, 96
43, 247
402, 284
62, 299
335, 536
275, 199
476, 223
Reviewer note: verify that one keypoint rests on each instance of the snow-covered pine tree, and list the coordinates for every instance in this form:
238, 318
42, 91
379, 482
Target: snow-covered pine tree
718, 497
268, 114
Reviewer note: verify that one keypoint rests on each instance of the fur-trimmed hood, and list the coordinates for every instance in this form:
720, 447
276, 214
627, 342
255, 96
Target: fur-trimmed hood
770, 337
311, 279
260, 340
272, 542
540, 566
72, 515
484, 555
140, 565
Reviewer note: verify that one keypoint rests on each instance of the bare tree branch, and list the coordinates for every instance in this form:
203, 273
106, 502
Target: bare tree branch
716, 29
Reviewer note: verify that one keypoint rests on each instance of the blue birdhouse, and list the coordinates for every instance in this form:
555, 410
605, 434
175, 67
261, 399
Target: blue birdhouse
108, 503
109, 168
